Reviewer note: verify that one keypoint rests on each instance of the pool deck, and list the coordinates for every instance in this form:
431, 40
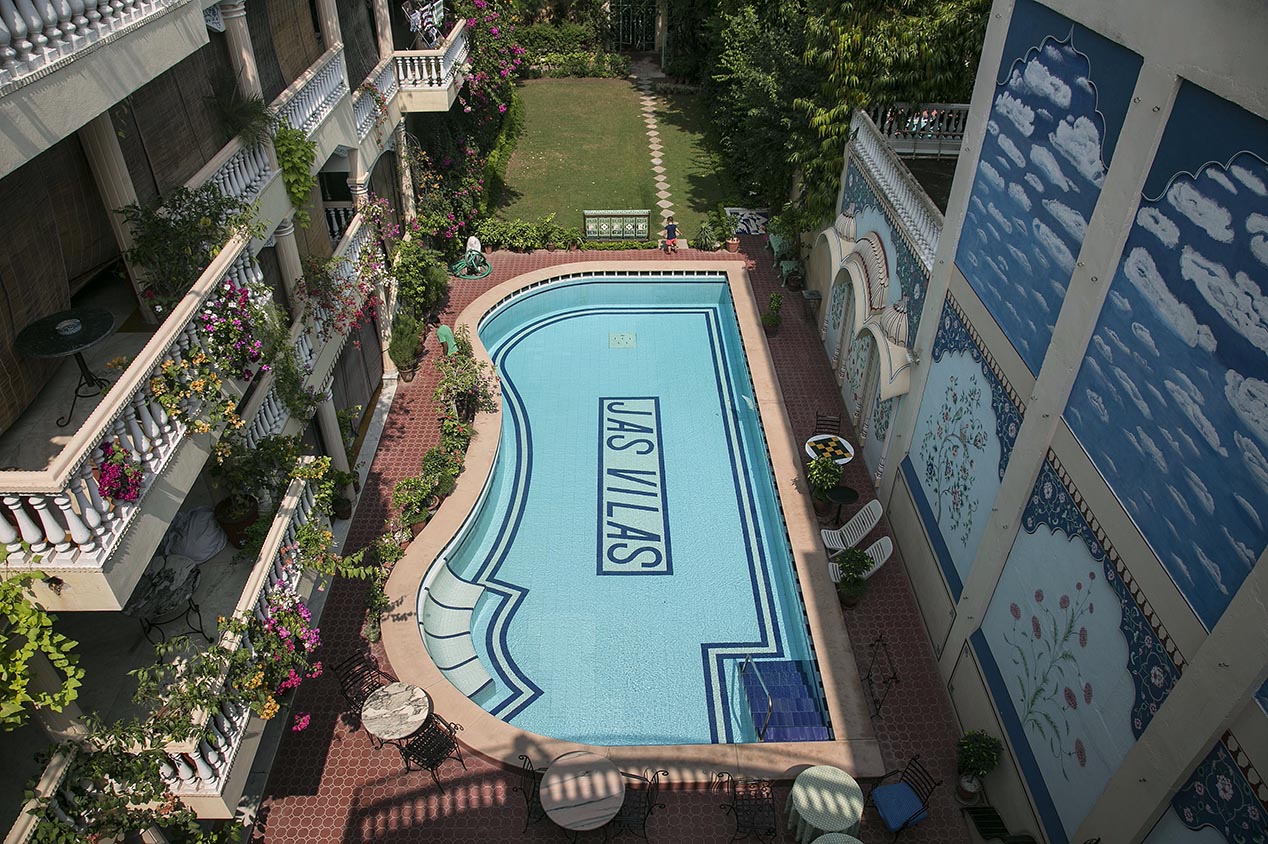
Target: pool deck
329, 784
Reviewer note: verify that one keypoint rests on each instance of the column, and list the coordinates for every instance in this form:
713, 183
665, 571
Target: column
288, 261
114, 182
405, 172
328, 13
59, 726
328, 423
383, 28
240, 51
1216, 686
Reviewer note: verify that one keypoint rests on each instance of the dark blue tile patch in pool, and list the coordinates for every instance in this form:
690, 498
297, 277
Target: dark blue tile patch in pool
633, 511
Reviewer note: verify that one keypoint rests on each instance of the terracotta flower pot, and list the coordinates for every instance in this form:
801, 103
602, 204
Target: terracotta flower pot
733, 245
235, 524
407, 375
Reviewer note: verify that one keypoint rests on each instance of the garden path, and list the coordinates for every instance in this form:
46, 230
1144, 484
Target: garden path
645, 73
330, 785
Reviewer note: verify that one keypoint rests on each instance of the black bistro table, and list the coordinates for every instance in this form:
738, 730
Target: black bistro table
69, 333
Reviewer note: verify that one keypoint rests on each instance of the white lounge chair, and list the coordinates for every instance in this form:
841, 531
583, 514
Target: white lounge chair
854, 530
880, 551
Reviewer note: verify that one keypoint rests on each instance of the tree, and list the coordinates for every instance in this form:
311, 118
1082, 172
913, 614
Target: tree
876, 52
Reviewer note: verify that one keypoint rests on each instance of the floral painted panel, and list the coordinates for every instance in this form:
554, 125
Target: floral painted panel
964, 435
853, 372
878, 433
1171, 402
1041, 169
832, 324
860, 198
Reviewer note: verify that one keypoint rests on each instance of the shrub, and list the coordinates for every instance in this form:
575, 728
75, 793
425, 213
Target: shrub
437, 470
706, 239
466, 385
540, 38
977, 753
500, 155
403, 350
410, 496
422, 280
854, 564
824, 472
581, 64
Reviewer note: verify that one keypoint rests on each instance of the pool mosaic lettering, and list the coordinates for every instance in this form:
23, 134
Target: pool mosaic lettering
633, 517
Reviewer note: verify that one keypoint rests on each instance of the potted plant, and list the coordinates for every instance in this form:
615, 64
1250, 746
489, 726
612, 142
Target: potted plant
403, 349
437, 470
724, 226
706, 240
341, 504
247, 475
118, 476
771, 319
411, 496
823, 475
977, 754
854, 565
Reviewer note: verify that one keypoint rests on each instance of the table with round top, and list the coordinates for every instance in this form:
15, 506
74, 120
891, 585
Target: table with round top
836, 838
824, 799
832, 445
582, 790
69, 333
396, 711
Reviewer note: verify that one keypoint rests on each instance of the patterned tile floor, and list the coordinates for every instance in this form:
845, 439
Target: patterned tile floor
329, 784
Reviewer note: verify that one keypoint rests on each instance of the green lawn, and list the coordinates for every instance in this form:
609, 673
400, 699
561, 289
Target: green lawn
584, 146
695, 183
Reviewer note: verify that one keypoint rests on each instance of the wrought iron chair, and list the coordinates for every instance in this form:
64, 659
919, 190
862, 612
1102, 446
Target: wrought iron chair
825, 424
905, 802
359, 677
531, 787
429, 749
640, 802
752, 804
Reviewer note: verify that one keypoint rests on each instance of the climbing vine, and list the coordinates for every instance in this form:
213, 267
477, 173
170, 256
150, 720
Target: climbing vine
26, 633
296, 156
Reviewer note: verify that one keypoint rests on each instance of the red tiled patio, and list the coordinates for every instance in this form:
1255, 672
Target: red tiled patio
329, 784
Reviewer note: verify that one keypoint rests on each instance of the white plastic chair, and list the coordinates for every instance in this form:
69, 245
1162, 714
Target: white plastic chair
880, 551
854, 530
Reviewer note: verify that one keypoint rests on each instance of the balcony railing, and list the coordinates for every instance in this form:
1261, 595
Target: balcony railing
922, 130
920, 220
203, 767
437, 68
338, 218
37, 38
366, 110
309, 99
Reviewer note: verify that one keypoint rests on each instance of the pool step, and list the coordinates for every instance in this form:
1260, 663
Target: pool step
796, 711
446, 625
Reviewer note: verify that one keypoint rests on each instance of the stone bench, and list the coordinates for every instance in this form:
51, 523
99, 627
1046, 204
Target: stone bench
617, 225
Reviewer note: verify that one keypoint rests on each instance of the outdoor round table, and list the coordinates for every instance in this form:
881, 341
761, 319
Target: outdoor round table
69, 333
836, 838
582, 790
824, 799
396, 711
832, 445
842, 495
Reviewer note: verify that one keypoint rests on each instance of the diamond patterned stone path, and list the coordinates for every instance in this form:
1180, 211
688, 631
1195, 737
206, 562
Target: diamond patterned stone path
642, 78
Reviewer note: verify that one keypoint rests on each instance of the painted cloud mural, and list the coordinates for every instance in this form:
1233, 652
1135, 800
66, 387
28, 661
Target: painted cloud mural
1172, 400
1038, 180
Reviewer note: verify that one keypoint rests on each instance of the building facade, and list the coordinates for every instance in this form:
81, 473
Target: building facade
1068, 429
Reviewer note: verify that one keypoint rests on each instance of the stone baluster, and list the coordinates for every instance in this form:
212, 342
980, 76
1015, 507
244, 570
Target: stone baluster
29, 530
184, 771
140, 442
149, 426
35, 32
54, 533
9, 536
80, 21
15, 49
48, 15
96, 511
98, 19
80, 535
206, 774
209, 753
168, 772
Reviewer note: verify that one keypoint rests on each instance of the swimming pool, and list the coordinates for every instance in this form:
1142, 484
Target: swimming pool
628, 552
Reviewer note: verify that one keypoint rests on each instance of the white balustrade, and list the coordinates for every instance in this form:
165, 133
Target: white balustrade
305, 104
919, 220
243, 174
365, 107
338, 218
203, 765
38, 34
433, 68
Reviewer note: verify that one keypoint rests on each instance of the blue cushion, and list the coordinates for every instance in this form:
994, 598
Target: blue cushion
898, 805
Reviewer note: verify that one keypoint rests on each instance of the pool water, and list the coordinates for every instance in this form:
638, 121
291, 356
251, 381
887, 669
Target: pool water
629, 540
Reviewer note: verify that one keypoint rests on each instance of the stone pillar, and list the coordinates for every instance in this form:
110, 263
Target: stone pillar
59, 726
328, 422
405, 172
288, 261
114, 182
383, 28
328, 12
240, 51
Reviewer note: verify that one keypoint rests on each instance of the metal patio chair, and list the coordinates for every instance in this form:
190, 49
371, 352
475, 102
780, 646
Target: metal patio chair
640, 802
904, 802
825, 424
429, 749
752, 804
991, 826
531, 787
359, 677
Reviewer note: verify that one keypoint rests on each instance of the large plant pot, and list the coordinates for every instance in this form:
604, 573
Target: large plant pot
235, 524
407, 375
733, 245
968, 789
822, 506
342, 508
771, 328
